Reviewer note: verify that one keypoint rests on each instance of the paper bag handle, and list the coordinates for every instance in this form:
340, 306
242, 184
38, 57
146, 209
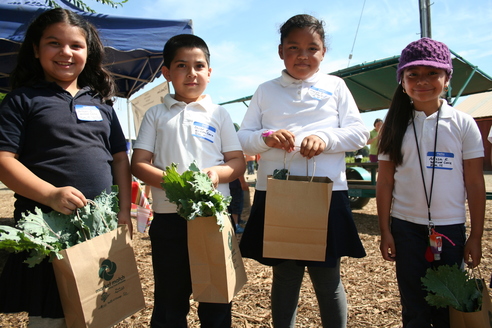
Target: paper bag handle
476, 274
307, 166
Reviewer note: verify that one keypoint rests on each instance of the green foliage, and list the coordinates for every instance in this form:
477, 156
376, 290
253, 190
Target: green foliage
2, 95
82, 6
45, 234
194, 194
280, 174
451, 286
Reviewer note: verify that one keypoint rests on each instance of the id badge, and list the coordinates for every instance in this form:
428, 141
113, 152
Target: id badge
318, 93
88, 113
440, 160
204, 131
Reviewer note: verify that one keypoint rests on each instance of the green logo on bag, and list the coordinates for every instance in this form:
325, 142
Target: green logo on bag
107, 270
230, 240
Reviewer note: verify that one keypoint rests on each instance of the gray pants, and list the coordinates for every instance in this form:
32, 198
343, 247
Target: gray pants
287, 280
39, 322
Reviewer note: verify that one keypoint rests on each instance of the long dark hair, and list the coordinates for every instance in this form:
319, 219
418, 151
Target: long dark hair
29, 71
395, 125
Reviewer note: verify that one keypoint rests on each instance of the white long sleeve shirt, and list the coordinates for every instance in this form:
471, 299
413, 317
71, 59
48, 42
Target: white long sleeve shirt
321, 105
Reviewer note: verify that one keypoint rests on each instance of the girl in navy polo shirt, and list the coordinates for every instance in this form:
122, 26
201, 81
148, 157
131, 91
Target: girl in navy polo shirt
60, 144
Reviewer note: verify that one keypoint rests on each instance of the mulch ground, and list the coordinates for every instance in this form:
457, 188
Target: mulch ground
370, 282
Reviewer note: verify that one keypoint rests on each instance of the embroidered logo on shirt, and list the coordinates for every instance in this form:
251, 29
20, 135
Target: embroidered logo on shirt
318, 93
204, 131
88, 113
444, 161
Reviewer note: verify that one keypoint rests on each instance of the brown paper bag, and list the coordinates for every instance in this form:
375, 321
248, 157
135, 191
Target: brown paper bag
216, 265
479, 319
296, 218
98, 281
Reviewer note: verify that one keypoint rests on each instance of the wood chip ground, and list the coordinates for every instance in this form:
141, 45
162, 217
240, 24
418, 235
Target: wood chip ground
370, 282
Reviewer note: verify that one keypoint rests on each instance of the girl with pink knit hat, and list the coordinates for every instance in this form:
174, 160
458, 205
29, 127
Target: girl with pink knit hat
430, 163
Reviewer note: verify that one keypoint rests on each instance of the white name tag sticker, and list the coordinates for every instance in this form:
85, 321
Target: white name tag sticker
442, 160
204, 131
88, 113
318, 93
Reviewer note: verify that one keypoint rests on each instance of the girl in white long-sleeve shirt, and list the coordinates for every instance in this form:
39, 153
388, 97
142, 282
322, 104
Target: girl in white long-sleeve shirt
312, 113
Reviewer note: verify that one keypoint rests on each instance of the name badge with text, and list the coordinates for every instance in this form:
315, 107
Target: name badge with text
88, 113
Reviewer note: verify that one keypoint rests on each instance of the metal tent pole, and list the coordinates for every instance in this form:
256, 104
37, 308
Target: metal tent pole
425, 19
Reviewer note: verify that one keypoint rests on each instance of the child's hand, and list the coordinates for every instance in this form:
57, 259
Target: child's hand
473, 252
244, 185
387, 247
125, 218
281, 139
312, 146
214, 177
66, 200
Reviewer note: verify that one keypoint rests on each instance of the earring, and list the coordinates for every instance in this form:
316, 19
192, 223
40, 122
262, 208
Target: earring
446, 89
404, 91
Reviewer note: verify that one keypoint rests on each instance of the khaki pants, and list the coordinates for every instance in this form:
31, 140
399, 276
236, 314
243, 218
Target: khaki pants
39, 322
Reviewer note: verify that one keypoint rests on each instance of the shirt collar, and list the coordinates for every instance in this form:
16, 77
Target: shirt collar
205, 103
446, 111
286, 79
42, 84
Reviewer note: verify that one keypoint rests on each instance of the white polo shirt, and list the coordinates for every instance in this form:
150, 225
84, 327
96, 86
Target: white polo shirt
321, 105
176, 132
458, 139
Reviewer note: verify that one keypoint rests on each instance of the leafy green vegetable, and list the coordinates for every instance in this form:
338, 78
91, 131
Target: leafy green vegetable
46, 234
194, 194
451, 286
280, 174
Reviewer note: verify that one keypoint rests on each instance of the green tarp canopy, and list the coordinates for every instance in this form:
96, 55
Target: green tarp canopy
373, 84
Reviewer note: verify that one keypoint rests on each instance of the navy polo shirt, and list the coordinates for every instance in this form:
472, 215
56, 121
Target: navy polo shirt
42, 124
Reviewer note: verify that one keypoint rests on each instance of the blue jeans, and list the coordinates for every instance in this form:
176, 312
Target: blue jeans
411, 241
172, 289
287, 280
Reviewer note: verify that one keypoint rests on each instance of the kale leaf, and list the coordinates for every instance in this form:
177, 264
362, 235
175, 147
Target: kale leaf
46, 234
451, 286
194, 194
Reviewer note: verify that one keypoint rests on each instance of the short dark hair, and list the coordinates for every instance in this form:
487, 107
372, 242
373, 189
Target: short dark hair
302, 21
183, 41
377, 121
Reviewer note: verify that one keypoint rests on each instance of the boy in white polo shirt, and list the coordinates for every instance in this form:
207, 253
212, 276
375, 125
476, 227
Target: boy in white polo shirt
186, 127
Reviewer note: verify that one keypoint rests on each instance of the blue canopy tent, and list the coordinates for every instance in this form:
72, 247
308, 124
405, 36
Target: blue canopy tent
133, 45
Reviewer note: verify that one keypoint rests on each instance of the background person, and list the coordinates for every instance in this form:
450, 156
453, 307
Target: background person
374, 140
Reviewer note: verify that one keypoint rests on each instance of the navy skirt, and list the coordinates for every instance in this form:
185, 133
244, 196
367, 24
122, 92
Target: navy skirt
343, 238
32, 290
